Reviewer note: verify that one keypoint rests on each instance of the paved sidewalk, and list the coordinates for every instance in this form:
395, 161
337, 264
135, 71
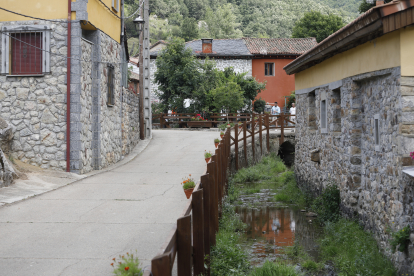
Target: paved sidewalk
77, 229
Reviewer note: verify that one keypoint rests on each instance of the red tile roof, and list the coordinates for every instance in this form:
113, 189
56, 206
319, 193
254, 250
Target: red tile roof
279, 46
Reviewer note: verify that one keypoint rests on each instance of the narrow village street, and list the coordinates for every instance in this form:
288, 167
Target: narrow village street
79, 228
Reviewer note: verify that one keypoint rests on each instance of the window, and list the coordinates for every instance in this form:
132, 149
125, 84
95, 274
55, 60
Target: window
377, 132
25, 50
115, 5
312, 111
269, 69
111, 87
336, 110
323, 113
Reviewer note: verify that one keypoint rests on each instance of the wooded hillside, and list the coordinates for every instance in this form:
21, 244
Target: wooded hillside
193, 19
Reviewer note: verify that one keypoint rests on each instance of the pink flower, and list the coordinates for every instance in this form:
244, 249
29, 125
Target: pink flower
412, 154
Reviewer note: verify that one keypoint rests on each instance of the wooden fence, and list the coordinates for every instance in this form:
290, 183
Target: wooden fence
195, 232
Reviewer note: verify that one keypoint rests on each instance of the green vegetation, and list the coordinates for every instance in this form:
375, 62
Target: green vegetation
364, 6
128, 265
400, 239
318, 25
327, 204
289, 191
227, 256
181, 76
232, 18
274, 269
353, 251
259, 105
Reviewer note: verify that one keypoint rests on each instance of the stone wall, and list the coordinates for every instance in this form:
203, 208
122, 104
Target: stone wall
36, 107
86, 103
130, 121
239, 65
373, 188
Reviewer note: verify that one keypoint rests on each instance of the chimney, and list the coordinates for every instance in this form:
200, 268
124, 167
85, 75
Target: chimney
380, 2
207, 45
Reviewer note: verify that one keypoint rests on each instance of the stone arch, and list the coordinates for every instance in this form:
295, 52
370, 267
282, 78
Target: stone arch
287, 152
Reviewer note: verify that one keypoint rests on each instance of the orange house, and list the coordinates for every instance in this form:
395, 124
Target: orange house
269, 56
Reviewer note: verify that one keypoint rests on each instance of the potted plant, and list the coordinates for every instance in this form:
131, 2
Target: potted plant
216, 142
240, 125
207, 156
188, 186
228, 125
221, 134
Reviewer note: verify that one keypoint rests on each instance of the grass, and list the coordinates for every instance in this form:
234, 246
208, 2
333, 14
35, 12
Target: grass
289, 191
227, 256
266, 169
274, 269
353, 251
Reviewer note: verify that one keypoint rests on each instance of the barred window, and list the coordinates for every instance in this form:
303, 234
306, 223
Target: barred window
25, 50
111, 86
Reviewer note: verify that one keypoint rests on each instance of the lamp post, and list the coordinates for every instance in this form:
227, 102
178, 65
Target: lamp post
139, 22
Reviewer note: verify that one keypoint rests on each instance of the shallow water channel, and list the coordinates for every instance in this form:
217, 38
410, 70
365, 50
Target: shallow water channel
272, 226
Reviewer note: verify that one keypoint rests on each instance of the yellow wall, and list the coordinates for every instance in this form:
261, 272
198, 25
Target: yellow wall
407, 51
47, 9
382, 53
98, 14
103, 19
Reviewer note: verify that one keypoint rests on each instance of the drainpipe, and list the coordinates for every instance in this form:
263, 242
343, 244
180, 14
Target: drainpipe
68, 88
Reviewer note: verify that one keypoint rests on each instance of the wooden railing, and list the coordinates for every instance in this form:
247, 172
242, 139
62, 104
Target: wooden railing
195, 232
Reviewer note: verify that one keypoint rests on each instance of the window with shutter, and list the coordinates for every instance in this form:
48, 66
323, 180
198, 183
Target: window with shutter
115, 5
269, 69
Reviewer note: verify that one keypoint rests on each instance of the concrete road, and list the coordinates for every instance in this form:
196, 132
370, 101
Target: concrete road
79, 228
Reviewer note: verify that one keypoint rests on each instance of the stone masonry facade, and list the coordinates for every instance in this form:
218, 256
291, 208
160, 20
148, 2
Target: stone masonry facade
35, 106
239, 65
374, 188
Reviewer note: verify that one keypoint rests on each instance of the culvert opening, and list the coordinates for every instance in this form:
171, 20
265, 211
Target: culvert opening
287, 153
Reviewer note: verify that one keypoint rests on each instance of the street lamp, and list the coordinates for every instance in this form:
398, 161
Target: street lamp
138, 24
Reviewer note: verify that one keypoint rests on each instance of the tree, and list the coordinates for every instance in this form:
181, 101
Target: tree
227, 97
189, 29
259, 105
318, 25
177, 75
222, 23
366, 5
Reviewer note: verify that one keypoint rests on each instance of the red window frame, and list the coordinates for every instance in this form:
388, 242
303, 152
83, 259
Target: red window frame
26, 53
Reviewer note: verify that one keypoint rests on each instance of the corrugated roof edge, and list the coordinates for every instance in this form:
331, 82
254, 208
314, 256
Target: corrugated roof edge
294, 66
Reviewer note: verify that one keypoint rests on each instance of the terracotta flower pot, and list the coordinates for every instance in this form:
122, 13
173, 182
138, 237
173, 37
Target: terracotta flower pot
221, 136
188, 192
216, 144
208, 160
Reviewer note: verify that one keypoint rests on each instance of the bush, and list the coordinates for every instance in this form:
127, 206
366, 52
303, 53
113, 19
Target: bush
290, 192
353, 251
274, 269
127, 266
401, 239
327, 204
259, 105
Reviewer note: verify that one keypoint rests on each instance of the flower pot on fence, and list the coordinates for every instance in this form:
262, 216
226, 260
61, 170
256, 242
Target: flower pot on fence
208, 160
221, 136
216, 144
188, 192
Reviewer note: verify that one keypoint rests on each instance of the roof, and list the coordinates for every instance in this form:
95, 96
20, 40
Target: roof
279, 46
134, 76
249, 47
372, 24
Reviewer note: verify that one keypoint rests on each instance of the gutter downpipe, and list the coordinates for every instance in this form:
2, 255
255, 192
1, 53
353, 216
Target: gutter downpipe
68, 87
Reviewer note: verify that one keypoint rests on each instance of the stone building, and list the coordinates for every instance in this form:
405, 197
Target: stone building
355, 121
34, 84
262, 58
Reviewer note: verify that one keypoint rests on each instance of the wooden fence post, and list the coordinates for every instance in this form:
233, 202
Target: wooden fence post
253, 144
267, 124
198, 233
214, 192
245, 143
160, 265
282, 124
260, 133
208, 223
184, 246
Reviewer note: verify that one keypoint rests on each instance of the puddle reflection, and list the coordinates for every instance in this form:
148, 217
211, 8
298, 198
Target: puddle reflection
271, 229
